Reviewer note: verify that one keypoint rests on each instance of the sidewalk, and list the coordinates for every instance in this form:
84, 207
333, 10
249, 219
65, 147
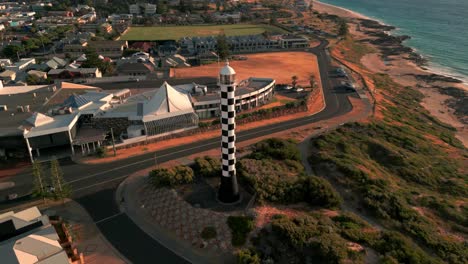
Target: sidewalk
171, 221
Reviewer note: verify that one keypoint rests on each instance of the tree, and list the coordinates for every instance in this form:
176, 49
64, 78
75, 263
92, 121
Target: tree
12, 51
161, 7
61, 190
312, 81
39, 187
222, 47
294, 81
342, 28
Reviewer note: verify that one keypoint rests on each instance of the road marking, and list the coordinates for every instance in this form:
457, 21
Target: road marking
108, 218
99, 183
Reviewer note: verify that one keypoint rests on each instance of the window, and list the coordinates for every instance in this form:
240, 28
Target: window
230, 114
231, 162
224, 95
224, 108
230, 89
225, 133
224, 120
225, 168
225, 156
230, 101
231, 139
225, 145
231, 126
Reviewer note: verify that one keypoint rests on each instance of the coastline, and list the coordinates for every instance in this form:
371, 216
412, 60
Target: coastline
406, 71
431, 67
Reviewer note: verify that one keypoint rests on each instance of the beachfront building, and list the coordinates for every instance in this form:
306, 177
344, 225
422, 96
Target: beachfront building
242, 44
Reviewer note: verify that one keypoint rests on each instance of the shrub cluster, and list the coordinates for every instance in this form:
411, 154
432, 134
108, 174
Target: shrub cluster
208, 233
177, 175
240, 228
207, 167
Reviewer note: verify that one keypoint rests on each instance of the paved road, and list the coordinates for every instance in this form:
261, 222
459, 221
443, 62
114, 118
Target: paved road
94, 185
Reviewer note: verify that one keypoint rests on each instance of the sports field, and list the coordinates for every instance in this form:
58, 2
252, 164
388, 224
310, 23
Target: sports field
177, 32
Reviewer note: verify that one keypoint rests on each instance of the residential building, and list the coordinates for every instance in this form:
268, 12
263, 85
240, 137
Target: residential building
80, 73
150, 9
21, 65
60, 13
106, 48
38, 74
135, 69
28, 237
134, 9
293, 42
7, 76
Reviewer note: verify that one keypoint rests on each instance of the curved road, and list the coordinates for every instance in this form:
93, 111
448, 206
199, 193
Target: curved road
95, 185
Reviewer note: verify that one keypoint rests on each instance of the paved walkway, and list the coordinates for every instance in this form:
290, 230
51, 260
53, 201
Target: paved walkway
173, 222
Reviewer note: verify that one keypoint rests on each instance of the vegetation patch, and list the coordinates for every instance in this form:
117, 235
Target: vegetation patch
178, 32
207, 167
208, 233
240, 228
393, 169
163, 177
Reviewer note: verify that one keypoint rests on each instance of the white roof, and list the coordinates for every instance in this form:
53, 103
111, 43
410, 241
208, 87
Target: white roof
41, 246
227, 70
60, 123
38, 119
166, 102
22, 218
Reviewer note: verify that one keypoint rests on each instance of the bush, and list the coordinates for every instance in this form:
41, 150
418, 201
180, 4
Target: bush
319, 192
101, 152
278, 149
240, 228
247, 256
208, 233
207, 167
170, 177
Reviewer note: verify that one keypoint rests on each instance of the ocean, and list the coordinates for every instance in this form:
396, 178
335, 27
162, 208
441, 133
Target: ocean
438, 28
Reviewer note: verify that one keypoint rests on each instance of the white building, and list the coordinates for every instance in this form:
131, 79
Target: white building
150, 9
28, 237
134, 9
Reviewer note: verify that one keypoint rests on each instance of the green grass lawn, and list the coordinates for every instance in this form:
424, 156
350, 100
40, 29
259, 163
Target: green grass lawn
177, 32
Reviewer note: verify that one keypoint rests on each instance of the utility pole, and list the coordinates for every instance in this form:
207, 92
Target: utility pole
113, 142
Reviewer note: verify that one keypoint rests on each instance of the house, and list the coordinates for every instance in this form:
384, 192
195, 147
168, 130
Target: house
134, 9
7, 76
5, 62
292, 42
105, 28
22, 64
106, 48
143, 46
167, 49
60, 13
150, 9
80, 73
38, 74
29, 237
135, 69
56, 63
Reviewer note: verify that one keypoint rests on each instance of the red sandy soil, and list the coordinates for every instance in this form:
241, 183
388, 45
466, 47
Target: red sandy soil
278, 65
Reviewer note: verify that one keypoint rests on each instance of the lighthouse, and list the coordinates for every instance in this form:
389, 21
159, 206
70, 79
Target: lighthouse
229, 190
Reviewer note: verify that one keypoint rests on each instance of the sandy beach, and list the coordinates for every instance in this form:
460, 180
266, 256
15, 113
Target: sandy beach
403, 71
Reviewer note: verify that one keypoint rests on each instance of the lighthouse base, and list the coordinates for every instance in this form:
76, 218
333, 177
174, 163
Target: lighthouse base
228, 192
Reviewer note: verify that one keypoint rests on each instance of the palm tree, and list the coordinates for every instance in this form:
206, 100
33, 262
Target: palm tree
294, 81
312, 81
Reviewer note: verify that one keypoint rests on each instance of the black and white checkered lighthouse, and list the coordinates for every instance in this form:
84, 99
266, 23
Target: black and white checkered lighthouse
229, 190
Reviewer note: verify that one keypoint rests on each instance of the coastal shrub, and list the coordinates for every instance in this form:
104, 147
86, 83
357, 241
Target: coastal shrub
101, 152
247, 256
319, 192
275, 148
307, 237
240, 228
207, 167
163, 177
208, 233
